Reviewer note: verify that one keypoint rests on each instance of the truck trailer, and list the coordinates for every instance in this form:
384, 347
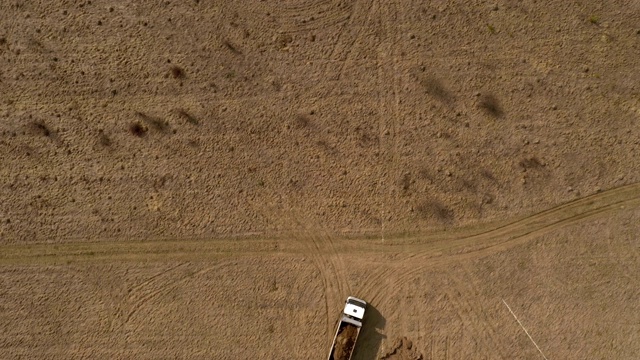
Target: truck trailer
348, 329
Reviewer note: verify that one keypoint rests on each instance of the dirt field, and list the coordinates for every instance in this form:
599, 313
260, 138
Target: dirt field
203, 179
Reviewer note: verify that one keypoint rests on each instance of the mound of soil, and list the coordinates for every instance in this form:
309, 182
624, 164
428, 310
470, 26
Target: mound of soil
402, 349
345, 341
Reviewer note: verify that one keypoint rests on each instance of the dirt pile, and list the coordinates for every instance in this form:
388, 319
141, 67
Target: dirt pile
345, 341
402, 349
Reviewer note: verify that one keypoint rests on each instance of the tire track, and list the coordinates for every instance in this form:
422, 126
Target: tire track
341, 53
153, 282
157, 277
347, 58
476, 313
470, 318
412, 266
463, 313
158, 285
440, 339
308, 16
443, 252
319, 245
437, 248
387, 112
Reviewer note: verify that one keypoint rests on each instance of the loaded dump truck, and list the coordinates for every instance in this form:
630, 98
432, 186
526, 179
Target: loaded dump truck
348, 329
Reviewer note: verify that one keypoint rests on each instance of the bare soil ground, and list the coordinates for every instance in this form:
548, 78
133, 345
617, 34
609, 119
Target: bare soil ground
206, 179
402, 349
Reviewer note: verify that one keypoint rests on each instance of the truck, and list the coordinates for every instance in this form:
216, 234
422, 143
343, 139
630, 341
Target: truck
348, 329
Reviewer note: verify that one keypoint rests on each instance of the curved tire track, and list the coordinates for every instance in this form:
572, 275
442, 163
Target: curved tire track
432, 250
319, 245
157, 285
443, 252
308, 16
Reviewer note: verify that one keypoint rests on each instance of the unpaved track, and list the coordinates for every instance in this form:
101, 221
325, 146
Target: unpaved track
433, 288
440, 248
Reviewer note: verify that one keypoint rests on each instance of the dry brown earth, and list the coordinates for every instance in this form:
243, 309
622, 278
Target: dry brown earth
402, 349
345, 341
201, 179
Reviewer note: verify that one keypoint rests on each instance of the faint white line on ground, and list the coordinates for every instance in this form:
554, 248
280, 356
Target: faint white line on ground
382, 225
525, 330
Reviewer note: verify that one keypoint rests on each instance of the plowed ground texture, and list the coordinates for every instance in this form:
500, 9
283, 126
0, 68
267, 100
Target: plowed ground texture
212, 179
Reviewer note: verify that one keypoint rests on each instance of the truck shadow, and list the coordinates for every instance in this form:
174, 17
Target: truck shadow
371, 335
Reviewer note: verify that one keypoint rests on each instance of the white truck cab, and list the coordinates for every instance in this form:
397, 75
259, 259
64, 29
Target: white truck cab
355, 307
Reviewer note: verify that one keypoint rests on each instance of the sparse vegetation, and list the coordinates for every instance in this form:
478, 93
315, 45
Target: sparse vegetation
435, 88
594, 19
487, 174
154, 122
41, 128
231, 47
491, 105
283, 41
137, 129
301, 121
104, 140
327, 148
491, 28
177, 72
435, 210
405, 183
531, 163
365, 137
188, 117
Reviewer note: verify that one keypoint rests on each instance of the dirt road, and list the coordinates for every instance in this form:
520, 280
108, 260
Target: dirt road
453, 245
437, 289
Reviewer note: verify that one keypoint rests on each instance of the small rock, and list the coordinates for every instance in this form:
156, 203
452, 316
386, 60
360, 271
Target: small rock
536, 141
554, 107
